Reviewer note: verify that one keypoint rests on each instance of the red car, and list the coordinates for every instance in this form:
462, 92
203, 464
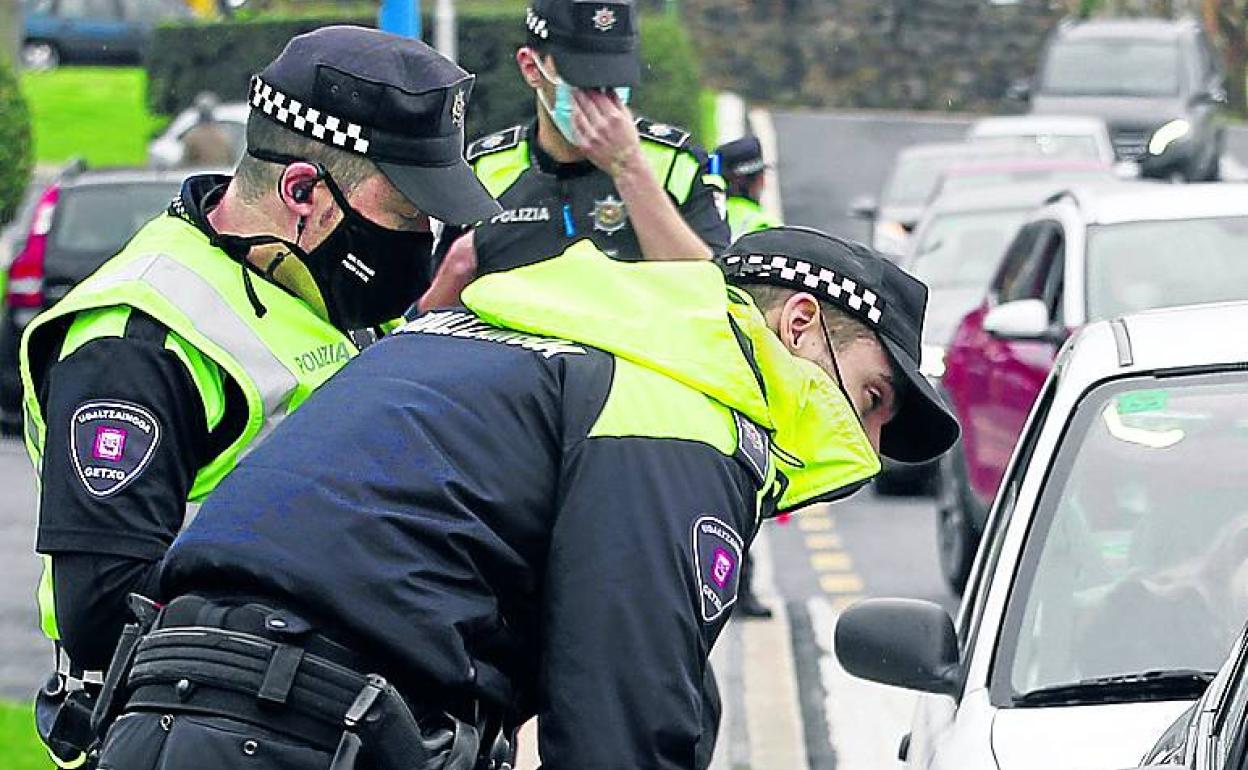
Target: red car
1092, 254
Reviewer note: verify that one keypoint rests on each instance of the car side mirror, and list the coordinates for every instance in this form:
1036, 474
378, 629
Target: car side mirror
1019, 91
906, 643
863, 207
1022, 319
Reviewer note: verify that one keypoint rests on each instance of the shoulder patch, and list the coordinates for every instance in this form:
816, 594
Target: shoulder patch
663, 133
497, 142
717, 554
112, 442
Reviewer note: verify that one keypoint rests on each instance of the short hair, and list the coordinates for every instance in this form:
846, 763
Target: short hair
843, 329
257, 178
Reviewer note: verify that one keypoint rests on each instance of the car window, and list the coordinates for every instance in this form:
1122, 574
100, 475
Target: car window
913, 179
1015, 260
153, 10
1112, 67
87, 9
1028, 280
96, 220
1137, 265
1130, 567
963, 249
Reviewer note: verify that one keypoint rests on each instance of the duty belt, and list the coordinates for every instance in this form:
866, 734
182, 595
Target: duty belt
290, 680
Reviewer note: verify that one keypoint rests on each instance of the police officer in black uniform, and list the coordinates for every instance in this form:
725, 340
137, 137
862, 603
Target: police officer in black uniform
585, 168
148, 382
534, 506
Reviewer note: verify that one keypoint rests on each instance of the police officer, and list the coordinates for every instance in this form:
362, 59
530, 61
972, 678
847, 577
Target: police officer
534, 506
741, 163
146, 384
585, 168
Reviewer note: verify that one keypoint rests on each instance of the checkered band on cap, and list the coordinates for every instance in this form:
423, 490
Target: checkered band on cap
294, 114
536, 24
844, 292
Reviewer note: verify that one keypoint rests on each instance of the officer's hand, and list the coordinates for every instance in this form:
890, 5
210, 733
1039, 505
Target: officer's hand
605, 131
458, 268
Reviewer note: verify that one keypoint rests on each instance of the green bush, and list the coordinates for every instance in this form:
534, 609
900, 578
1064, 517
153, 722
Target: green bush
188, 58
16, 148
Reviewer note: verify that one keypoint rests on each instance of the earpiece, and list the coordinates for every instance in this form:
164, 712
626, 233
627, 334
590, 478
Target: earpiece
301, 194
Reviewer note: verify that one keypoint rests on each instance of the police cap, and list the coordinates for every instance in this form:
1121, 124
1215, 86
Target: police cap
391, 99
869, 288
594, 42
741, 157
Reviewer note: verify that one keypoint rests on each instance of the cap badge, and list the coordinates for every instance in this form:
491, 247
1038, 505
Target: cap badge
458, 107
609, 214
661, 130
604, 19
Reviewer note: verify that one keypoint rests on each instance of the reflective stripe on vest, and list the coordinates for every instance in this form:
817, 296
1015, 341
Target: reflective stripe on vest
197, 298
277, 361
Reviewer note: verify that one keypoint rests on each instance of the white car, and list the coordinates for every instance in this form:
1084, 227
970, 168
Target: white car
1105, 594
167, 150
1082, 138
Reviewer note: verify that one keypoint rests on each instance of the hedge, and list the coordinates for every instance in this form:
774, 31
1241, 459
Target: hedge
16, 146
188, 58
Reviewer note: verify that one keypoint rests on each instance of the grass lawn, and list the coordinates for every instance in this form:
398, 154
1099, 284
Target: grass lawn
19, 746
95, 112
708, 129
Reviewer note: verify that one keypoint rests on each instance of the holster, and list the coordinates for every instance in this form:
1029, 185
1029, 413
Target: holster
269, 667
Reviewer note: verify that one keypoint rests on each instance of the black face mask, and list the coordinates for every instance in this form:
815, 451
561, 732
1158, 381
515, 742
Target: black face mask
367, 274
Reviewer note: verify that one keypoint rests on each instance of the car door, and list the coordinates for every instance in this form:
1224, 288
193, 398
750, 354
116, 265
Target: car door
89, 29
968, 368
1017, 368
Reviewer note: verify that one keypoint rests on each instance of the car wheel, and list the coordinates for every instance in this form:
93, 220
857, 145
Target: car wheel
957, 534
39, 55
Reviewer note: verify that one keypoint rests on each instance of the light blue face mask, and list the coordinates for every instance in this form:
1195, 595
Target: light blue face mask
561, 112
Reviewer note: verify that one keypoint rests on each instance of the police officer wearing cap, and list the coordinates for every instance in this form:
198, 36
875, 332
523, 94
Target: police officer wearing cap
149, 381
536, 504
585, 168
741, 164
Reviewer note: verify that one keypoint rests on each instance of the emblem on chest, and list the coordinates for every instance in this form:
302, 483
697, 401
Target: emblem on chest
610, 214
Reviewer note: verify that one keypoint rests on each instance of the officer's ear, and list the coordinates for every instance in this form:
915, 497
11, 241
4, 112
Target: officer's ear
798, 324
298, 189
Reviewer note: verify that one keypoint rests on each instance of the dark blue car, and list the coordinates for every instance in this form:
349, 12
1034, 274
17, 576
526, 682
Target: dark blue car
91, 31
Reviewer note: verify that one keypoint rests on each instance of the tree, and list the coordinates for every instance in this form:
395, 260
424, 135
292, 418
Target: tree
10, 34
1227, 23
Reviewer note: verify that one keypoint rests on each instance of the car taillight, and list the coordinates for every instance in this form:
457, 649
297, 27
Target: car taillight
26, 273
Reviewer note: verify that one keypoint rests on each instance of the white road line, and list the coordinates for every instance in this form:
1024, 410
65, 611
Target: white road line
760, 122
729, 118
866, 720
772, 707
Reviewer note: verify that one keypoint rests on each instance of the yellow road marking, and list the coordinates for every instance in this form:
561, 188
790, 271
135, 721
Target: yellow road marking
823, 541
831, 561
842, 603
841, 583
814, 523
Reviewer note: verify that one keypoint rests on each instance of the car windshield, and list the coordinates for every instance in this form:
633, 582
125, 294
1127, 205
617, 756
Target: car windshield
94, 221
1073, 146
915, 177
1112, 67
962, 250
1138, 558
1144, 265
1008, 177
